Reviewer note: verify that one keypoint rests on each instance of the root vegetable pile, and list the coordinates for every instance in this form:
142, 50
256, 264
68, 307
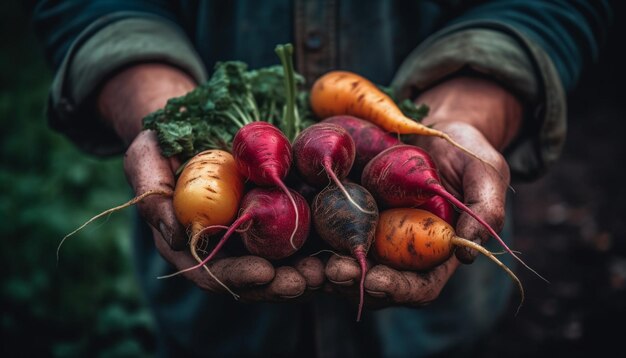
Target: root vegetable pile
267, 215
244, 132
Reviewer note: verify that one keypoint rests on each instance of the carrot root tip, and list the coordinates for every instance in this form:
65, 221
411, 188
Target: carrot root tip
459, 241
131, 202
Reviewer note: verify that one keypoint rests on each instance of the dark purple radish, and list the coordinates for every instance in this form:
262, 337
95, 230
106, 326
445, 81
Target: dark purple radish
345, 228
263, 155
295, 182
269, 213
406, 176
324, 153
264, 224
369, 140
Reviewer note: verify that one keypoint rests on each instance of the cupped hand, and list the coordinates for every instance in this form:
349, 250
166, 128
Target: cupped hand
385, 286
252, 278
483, 117
123, 101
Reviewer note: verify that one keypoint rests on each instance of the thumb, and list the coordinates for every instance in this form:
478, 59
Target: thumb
146, 169
485, 194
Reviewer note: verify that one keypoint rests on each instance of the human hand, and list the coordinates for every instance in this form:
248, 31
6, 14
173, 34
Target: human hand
483, 117
123, 102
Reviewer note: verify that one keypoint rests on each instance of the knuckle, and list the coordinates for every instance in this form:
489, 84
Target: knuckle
288, 283
430, 295
465, 255
498, 218
313, 272
338, 271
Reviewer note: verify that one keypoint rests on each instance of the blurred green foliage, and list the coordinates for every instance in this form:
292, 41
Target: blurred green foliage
89, 304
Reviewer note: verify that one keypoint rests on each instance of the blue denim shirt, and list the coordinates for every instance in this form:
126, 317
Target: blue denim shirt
537, 49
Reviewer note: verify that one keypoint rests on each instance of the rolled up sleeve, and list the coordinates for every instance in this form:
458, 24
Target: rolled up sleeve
109, 44
500, 52
537, 49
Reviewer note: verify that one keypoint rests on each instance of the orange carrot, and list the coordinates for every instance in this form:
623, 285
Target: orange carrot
415, 239
347, 93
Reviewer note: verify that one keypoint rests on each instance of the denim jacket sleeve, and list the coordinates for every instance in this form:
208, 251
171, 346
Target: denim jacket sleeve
536, 49
94, 41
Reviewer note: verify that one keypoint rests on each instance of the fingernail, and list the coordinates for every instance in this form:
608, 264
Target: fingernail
342, 283
294, 296
376, 294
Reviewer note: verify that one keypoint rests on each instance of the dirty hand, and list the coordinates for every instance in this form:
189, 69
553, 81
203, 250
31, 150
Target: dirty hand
484, 117
123, 101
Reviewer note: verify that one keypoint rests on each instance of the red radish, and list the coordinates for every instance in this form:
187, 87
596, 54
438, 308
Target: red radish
263, 155
344, 228
270, 214
323, 151
369, 139
406, 176
264, 225
343, 92
441, 208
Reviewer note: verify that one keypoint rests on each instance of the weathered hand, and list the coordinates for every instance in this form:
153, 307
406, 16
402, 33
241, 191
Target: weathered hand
385, 286
251, 277
484, 118
123, 102
482, 189
478, 186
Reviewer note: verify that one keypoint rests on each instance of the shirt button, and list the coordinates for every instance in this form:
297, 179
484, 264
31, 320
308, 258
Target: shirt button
313, 40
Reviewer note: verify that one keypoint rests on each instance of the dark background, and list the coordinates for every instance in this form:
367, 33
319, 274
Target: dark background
569, 226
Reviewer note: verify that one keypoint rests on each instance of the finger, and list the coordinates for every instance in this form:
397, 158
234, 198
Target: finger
482, 189
233, 272
485, 195
287, 284
312, 269
409, 288
182, 259
386, 283
342, 271
146, 169
244, 271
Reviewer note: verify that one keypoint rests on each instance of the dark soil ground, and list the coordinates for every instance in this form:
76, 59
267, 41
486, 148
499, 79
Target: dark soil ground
571, 228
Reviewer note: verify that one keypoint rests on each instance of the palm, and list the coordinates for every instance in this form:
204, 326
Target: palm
474, 183
252, 277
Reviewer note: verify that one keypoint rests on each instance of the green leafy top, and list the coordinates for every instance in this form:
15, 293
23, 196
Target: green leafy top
210, 115
408, 107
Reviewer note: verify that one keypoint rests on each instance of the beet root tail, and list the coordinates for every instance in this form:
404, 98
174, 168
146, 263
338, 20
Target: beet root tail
284, 188
359, 254
493, 233
341, 187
